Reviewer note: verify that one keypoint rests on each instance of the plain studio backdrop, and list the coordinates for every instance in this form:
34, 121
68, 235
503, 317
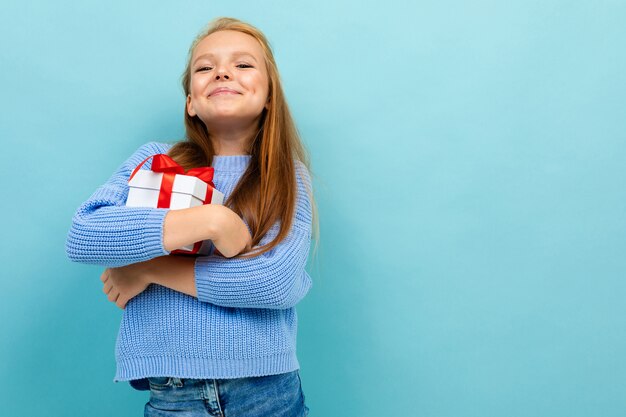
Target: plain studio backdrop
469, 167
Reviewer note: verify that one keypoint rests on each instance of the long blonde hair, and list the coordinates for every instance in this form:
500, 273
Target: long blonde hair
267, 191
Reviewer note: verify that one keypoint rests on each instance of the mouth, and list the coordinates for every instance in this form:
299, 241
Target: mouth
222, 91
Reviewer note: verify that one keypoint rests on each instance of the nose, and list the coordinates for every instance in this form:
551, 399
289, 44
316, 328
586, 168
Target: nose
222, 73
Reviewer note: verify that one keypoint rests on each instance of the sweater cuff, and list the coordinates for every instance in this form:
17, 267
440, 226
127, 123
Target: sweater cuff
200, 268
153, 233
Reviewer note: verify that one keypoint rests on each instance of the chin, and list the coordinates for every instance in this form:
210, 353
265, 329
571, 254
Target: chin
223, 118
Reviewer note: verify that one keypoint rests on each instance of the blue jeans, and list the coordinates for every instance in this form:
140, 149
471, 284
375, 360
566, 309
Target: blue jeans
267, 396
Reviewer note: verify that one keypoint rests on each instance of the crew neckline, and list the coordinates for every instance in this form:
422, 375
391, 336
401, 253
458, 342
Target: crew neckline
233, 163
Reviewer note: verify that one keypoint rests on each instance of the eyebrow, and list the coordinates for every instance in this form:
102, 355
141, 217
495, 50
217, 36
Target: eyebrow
236, 53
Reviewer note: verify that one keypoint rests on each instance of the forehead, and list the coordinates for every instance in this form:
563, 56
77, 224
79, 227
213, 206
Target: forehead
228, 42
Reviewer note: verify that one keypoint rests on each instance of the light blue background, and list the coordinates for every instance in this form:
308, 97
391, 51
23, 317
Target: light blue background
469, 162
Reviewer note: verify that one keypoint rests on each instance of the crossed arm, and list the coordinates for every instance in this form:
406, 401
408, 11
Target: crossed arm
221, 225
132, 241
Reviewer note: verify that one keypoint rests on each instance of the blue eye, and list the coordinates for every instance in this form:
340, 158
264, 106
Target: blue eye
204, 69
245, 66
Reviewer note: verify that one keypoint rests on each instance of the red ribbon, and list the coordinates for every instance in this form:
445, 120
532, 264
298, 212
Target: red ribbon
163, 163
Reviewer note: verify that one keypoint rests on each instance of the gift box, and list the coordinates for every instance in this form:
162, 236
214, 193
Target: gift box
167, 185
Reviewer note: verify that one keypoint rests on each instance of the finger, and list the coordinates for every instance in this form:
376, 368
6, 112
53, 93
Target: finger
113, 295
106, 288
105, 275
121, 302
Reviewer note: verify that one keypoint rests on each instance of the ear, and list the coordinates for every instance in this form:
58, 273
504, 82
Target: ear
190, 109
267, 104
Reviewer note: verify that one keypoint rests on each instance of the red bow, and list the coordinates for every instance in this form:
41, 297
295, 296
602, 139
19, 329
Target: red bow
163, 163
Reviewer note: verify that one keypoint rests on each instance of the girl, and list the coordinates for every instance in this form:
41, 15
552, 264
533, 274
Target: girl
213, 335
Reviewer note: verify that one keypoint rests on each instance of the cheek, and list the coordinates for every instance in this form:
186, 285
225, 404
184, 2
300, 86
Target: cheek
197, 87
257, 83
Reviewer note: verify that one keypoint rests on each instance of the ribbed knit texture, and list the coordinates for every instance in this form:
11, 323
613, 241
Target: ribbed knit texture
243, 322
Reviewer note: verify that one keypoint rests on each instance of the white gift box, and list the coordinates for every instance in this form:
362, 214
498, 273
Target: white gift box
187, 191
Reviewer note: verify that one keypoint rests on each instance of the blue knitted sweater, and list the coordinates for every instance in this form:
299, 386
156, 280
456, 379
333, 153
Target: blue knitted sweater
243, 322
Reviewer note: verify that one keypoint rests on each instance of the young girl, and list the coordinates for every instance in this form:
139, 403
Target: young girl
213, 335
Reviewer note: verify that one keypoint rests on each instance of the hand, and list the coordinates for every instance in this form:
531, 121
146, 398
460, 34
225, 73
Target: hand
232, 236
123, 283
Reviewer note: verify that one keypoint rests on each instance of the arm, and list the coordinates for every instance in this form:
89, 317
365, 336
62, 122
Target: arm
223, 226
176, 272
106, 232
273, 280
276, 279
124, 283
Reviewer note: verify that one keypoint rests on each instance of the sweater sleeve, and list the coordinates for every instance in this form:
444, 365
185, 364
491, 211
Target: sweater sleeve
276, 279
106, 232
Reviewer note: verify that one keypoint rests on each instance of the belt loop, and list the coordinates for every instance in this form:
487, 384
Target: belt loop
177, 382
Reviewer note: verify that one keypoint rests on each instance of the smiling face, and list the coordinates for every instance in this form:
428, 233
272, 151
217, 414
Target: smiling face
229, 81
